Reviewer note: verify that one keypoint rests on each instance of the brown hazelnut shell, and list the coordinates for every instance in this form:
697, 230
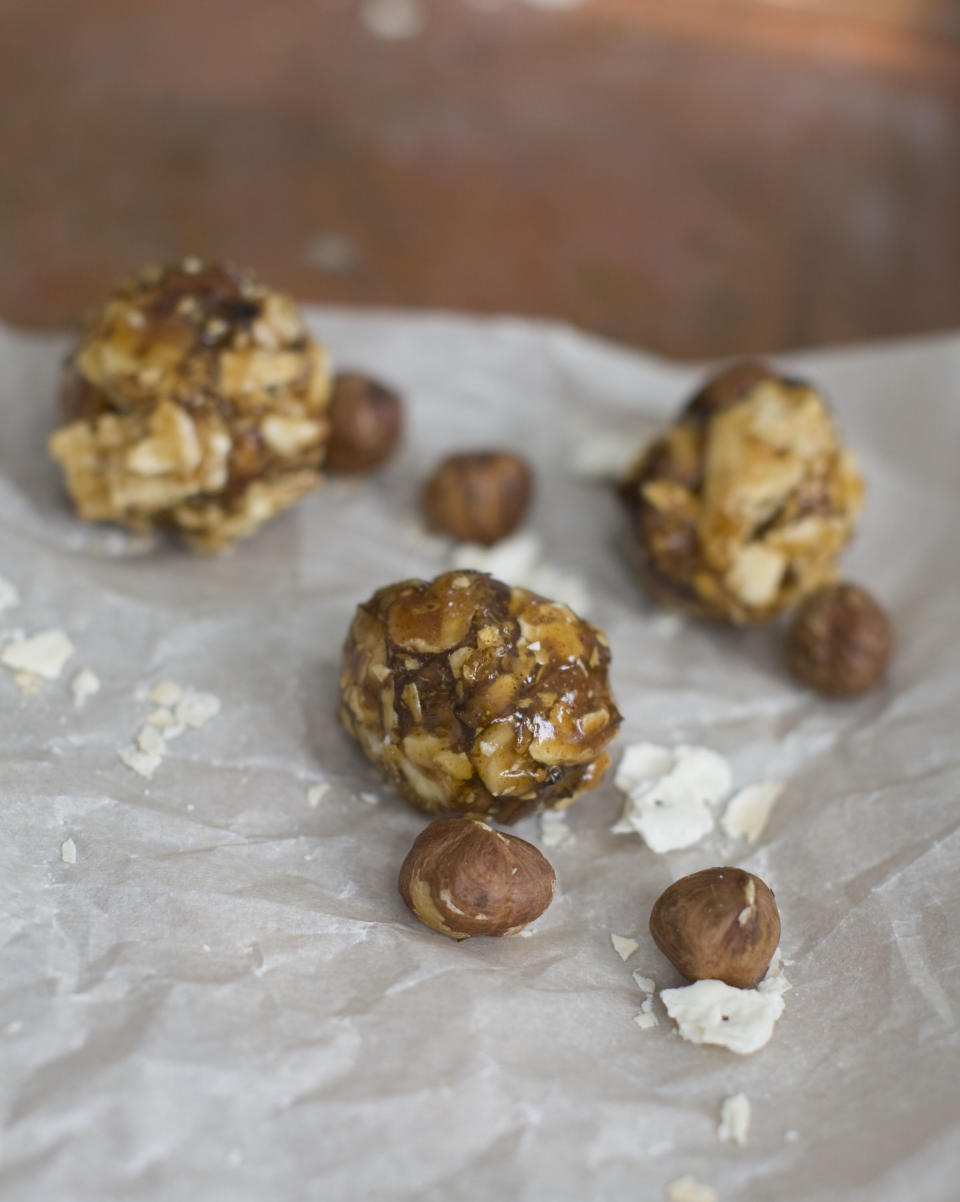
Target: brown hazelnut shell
719, 924
478, 497
839, 641
463, 878
366, 421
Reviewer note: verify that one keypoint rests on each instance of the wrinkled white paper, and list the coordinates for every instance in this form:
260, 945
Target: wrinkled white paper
223, 997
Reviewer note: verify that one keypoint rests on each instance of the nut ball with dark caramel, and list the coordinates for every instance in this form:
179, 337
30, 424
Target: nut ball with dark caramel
366, 418
194, 400
839, 641
721, 924
477, 698
479, 497
463, 878
743, 504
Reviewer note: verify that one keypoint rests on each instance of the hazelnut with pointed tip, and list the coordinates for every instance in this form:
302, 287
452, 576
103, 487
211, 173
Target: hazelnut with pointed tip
463, 878
366, 419
719, 924
839, 641
479, 497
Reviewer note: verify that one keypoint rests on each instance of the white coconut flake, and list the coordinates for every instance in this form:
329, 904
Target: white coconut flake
605, 455
41, 655
713, 1012
554, 831
689, 1189
671, 793
141, 762
167, 693
150, 740
647, 984
85, 684
370, 798
645, 1020
734, 1124
792, 1136
748, 811
9, 597
773, 979
196, 709
316, 794
68, 851
624, 946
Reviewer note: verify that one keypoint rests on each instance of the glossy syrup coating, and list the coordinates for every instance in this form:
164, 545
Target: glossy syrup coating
196, 400
478, 698
742, 506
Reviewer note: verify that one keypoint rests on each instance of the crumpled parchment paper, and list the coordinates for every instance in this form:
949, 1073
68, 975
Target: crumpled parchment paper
224, 997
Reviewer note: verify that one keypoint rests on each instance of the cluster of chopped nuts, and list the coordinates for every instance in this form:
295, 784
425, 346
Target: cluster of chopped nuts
196, 400
478, 698
740, 508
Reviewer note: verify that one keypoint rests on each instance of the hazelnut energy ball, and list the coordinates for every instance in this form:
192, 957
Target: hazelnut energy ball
195, 399
477, 698
741, 507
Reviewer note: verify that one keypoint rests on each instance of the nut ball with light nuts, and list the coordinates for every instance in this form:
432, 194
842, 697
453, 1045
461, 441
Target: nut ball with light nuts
463, 878
720, 924
194, 400
477, 698
839, 641
479, 497
366, 418
743, 504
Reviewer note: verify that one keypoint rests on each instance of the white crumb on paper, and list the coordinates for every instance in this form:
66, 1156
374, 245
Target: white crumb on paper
689, 1189
624, 946
773, 979
734, 1126
646, 1005
14, 1027
518, 561
28, 683
68, 851
713, 1012
166, 693
161, 717
671, 793
748, 811
139, 761
370, 798
41, 655
646, 1019
554, 831
196, 709
9, 597
316, 794
604, 455
85, 684
393, 20
792, 1136
150, 740
647, 984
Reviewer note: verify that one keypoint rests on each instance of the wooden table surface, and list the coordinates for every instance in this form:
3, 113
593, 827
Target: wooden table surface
696, 178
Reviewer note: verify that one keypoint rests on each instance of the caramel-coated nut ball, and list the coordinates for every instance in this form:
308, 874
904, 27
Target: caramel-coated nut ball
839, 641
463, 878
479, 497
742, 506
721, 924
366, 418
478, 698
194, 400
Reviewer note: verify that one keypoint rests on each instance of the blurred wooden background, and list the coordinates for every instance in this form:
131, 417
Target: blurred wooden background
699, 177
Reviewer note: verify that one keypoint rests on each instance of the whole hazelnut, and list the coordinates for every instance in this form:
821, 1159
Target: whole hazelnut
720, 924
479, 497
463, 878
366, 419
839, 641
728, 387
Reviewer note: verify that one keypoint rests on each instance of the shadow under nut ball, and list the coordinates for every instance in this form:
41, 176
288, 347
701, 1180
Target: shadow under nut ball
741, 507
480, 496
477, 698
463, 878
366, 421
194, 400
